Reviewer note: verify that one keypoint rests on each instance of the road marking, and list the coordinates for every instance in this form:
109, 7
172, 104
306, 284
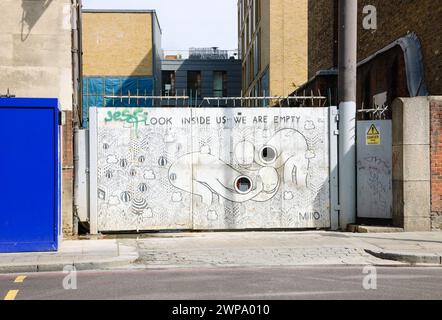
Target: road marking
12, 294
20, 279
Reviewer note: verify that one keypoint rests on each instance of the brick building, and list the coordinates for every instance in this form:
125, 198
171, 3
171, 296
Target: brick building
385, 63
121, 56
395, 19
273, 45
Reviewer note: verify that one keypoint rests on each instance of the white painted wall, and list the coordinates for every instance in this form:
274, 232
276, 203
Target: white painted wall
35, 51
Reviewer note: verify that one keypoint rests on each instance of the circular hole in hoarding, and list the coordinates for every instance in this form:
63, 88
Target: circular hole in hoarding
243, 185
268, 154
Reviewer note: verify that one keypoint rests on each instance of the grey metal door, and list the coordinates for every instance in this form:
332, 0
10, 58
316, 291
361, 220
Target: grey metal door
374, 169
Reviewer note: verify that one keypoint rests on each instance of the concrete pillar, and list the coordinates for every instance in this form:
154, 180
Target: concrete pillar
411, 164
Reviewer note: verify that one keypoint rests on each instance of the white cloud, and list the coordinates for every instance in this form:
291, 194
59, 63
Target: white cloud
149, 175
288, 196
113, 201
177, 197
112, 160
205, 150
309, 125
212, 215
149, 212
310, 154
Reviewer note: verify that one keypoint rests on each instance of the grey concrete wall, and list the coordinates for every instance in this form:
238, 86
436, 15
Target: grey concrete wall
36, 61
411, 164
35, 51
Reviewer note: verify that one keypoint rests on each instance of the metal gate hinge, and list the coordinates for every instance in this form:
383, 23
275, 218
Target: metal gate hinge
336, 132
337, 118
338, 207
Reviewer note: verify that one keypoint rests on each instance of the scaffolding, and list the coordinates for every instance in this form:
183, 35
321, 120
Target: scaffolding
208, 54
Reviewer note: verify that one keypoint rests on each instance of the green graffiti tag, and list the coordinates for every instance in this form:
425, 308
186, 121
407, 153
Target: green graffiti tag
129, 116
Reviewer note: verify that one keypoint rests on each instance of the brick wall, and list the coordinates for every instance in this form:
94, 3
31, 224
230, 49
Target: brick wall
395, 19
283, 54
67, 174
288, 45
321, 35
117, 44
436, 163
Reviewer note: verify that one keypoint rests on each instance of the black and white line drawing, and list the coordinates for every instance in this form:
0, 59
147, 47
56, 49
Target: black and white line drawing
236, 176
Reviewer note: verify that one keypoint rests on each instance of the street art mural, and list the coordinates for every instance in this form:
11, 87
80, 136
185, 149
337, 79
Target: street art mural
212, 169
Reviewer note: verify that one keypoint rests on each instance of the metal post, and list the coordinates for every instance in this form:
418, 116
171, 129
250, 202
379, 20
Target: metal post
348, 17
77, 96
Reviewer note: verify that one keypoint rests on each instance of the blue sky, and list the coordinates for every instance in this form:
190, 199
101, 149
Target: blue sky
186, 23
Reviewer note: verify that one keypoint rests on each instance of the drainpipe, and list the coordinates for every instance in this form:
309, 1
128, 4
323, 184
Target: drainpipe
347, 65
77, 96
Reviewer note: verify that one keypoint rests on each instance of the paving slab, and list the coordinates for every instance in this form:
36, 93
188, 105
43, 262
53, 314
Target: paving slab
271, 249
82, 254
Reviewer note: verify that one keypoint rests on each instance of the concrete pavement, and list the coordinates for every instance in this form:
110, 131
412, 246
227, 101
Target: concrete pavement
273, 249
409, 247
258, 249
83, 254
234, 249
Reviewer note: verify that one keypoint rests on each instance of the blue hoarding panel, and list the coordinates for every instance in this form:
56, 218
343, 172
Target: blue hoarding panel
95, 101
129, 86
113, 86
29, 175
96, 88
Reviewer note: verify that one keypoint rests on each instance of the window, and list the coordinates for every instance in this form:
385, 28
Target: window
250, 27
220, 84
243, 79
241, 13
264, 87
247, 77
257, 55
244, 45
257, 11
168, 79
247, 33
251, 65
194, 83
243, 185
252, 17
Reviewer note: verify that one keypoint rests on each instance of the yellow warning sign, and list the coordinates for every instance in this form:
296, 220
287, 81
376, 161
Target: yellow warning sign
373, 136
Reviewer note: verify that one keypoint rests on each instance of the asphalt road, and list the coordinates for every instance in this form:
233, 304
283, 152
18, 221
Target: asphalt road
228, 284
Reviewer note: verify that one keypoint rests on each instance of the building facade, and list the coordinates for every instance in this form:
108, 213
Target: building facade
399, 57
36, 60
201, 77
273, 42
121, 56
395, 19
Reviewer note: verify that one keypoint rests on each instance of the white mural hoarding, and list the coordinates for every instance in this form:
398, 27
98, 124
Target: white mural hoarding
212, 168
